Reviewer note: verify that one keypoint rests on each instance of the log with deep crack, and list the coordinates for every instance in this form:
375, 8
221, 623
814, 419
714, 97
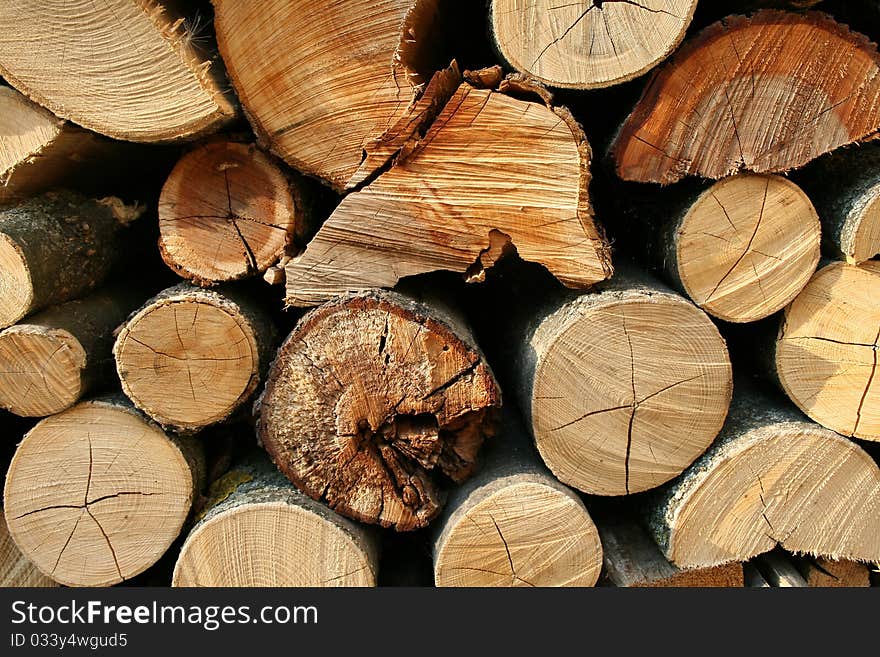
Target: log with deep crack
493, 173
374, 402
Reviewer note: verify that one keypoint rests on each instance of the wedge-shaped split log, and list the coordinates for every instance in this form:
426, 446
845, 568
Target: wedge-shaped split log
767, 93
145, 79
372, 401
827, 351
258, 530
772, 478
96, 494
493, 173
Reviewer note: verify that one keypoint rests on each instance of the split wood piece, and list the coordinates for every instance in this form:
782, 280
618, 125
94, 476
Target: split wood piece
370, 398
15, 569
624, 388
96, 494
827, 349
765, 94
344, 81
493, 173
588, 44
779, 571
190, 357
54, 248
845, 186
829, 573
39, 150
51, 360
745, 247
632, 559
513, 524
259, 530
228, 211
772, 477
146, 81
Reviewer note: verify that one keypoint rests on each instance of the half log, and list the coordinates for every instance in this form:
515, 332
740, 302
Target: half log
588, 44
190, 357
772, 477
51, 360
228, 211
493, 173
96, 494
826, 355
54, 248
706, 110
513, 524
258, 530
623, 388
745, 247
370, 398
145, 78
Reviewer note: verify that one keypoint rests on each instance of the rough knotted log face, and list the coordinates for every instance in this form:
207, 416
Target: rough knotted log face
146, 82
790, 483
765, 94
225, 212
95, 495
370, 402
588, 44
828, 347
493, 173
519, 532
629, 389
747, 246
324, 83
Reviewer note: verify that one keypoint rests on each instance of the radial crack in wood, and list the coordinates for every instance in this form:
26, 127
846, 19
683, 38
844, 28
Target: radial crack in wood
369, 399
146, 79
492, 173
587, 44
15, 569
767, 93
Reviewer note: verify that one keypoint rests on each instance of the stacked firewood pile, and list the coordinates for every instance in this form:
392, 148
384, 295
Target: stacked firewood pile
406, 292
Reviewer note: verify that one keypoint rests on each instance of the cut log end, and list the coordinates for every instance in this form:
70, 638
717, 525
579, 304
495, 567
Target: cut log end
15, 569
747, 246
860, 232
629, 389
16, 286
586, 44
519, 531
121, 490
241, 219
189, 358
710, 120
828, 347
369, 399
40, 370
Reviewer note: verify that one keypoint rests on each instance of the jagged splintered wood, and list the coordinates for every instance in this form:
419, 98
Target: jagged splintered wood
766, 93
228, 211
514, 524
624, 387
258, 530
493, 173
96, 494
52, 359
745, 247
372, 400
56, 247
330, 87
190, 357
15, 569
588, 44
772, 477
146, 78
827, 348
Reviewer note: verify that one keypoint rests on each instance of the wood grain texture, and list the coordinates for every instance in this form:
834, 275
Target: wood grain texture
146, 80
15, 569
587, 44
767, 93
492, 174
827, 349
369, 399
